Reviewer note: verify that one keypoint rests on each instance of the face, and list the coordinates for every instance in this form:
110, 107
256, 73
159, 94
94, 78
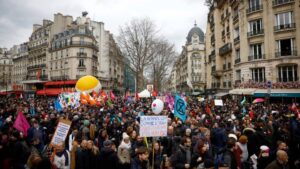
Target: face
156, 146
59, 148
133, 134
188, 142
283, 146
84, 144
89, 144
126, 140
144, 157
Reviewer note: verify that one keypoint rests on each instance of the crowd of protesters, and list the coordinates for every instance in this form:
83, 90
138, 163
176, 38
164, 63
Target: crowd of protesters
230, 136
263, 85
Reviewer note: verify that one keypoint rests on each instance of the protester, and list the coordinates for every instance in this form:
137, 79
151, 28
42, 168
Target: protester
108, 136
141, 159
62, 157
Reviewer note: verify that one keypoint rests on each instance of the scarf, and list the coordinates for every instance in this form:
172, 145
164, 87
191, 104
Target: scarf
65, 153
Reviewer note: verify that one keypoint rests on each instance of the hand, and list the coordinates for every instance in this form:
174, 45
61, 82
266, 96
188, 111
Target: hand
199, 159
187, 165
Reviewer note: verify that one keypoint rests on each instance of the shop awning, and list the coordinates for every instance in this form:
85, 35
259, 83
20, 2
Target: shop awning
248, 91
221, 94
277, 93
60, 83
49, 92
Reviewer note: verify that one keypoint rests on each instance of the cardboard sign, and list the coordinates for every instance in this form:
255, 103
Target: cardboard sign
218, 102
61, 131
150, 88
153, 126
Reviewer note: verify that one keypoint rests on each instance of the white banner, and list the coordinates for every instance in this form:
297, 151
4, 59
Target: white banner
61, 132
153, 126
218, 102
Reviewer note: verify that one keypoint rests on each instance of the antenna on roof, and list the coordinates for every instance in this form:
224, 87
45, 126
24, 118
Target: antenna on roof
195, 23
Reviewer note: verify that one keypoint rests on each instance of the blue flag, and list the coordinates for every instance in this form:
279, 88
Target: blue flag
180, 108
57, 105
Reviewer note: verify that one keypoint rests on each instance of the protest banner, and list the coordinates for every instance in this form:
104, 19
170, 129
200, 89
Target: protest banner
61, 131
153, 126
218, 102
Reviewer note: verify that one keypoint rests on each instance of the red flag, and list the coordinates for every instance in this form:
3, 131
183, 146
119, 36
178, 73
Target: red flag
154, 93
38, 75
127, 94
207, 109
136, 96
94, 94
112, 96
21, 124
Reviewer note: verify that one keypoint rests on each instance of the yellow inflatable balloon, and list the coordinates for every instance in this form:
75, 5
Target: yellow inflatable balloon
88, 84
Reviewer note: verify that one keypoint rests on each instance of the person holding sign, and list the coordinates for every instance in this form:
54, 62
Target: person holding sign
62, 157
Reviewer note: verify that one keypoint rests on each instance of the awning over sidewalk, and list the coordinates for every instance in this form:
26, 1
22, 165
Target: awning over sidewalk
248, 91
60, 83
49, 92
221, 94
277, 93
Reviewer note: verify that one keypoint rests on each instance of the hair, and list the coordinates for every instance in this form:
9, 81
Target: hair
231, 142
184, 140
142, 150
243, 139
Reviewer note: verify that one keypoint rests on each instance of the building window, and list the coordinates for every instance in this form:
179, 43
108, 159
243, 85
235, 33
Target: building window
81, 40
81, 62
255, 52
81, 30
284, 20
286, 47
237, 54
258, 74
255, 27
287, 73
254, 4
81, 50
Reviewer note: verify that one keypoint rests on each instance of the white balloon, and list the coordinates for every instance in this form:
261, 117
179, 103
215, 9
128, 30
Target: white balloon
157, 106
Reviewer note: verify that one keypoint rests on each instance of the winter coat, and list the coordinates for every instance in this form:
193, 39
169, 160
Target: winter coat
124, 152
276, 165
137, 164
60, 161
108, 158
179, 159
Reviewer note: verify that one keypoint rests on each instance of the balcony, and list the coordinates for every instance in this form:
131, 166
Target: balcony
76, 44
213, 68
282, 2
291, 79
36, 66
235, 18
81, 54
285, 53
42, 77
225, 49
285, 27
255, 33
254, 9
238, 60
81, 67
64, 77
229, 66
256, 57
236, 40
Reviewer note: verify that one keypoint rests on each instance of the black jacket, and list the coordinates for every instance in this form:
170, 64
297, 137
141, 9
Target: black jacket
108, 159
179, 159
137, 164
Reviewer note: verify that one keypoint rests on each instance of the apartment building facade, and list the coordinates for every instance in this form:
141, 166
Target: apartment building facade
252, 40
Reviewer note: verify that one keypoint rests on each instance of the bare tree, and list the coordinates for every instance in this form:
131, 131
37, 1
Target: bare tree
162, 62
137, 42
209, 3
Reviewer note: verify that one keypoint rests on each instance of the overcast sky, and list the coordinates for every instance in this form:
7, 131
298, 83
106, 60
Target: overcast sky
174, 18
